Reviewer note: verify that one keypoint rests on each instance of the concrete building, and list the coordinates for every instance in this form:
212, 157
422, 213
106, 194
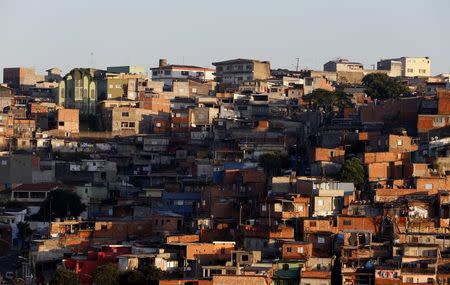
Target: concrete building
33, 193
406, 66
53, 75
16, 168
68, 120
173, 72
81, 89
128, 120
236, 71
343, 65
130, 69
20, 77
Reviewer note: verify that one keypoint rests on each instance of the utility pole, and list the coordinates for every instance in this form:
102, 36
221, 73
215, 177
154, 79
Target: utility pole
240, 214
298, 61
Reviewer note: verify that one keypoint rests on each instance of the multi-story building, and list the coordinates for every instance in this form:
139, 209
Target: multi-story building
130, 69
81, 89
68, 120
174, 72
128, 120
237, 71
343, 64
406, 66
20, 77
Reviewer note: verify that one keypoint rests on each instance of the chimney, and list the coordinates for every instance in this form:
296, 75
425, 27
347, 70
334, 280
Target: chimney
162, 62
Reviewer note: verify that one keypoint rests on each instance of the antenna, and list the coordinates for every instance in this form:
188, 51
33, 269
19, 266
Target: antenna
92, 59
298, 61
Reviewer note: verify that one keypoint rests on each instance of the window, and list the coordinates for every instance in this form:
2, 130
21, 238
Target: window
399, 142
347, 222
124, 125
185, 73
125, 114
263, 208
244, 257
288, 249
167, 72
37, 195
155, 73
429, 186
61, 124
300, 250
300, 208
410, 70
320, 240
132, 124
104, 227
285, 266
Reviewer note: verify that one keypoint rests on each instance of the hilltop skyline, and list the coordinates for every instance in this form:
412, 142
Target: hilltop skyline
50, 34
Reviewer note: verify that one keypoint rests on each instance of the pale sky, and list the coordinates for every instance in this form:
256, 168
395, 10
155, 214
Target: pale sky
60, 33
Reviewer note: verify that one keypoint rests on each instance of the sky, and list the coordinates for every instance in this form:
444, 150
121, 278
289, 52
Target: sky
100, 33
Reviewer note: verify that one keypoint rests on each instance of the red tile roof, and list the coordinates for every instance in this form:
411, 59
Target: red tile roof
38, 187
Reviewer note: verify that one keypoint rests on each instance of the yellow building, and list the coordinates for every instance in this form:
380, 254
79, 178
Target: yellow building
406, 66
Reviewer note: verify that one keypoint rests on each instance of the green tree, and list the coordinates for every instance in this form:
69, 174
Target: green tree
65, 277
132, 277
107, 274
353, 171
61, 204
273, 163
381, 86
329, 101
152, 274
148, 275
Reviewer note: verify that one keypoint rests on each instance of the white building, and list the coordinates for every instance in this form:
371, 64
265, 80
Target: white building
173, 72
406, 66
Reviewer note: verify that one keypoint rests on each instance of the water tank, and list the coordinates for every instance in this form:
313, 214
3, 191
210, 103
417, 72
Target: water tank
162, 62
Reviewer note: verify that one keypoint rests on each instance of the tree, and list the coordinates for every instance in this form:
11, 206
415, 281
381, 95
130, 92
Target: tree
61, 204
329, 101
107, 274
65, 277
134, 277
152, 274
274, 162
381, 86
353, 171
147, 275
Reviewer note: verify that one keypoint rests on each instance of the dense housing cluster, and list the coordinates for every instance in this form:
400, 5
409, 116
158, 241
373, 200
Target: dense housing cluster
236, 174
